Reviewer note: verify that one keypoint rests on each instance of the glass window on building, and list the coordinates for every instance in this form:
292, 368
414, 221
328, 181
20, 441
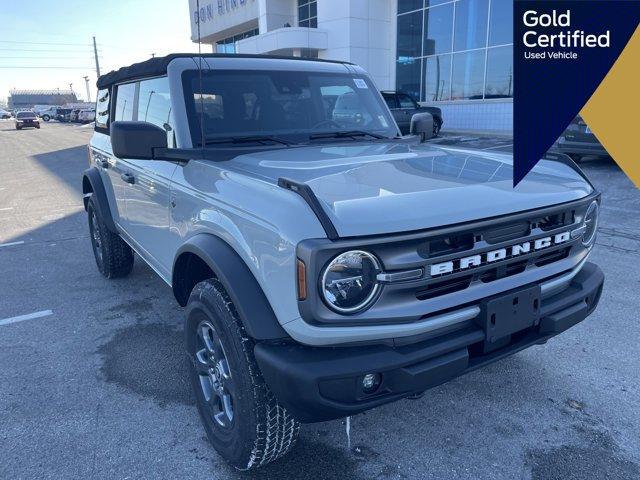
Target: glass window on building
308, 13
437, 72
408, 75
501, 22
125, 96
405, 6
470, 30
409, 36
438, 29
467, 80
499, 82
228, 45
445, 52
154, 105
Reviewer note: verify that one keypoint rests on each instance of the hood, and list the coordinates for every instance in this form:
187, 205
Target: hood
377, 188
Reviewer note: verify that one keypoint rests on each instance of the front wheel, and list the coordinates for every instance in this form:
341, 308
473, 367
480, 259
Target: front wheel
437, 125
46, 118
242, 418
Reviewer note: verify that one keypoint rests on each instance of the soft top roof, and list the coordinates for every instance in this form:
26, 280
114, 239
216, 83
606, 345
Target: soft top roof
158, 66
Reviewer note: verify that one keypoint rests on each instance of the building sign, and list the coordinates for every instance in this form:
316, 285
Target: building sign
219, 7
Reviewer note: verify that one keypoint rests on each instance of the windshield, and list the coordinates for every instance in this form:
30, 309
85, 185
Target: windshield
25, 115
291, 105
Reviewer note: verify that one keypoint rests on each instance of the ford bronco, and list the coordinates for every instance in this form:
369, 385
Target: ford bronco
328, 265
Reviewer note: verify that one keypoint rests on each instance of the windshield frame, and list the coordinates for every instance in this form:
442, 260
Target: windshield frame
294, 136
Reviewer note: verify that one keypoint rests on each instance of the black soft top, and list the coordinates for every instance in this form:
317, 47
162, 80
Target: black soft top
157, 66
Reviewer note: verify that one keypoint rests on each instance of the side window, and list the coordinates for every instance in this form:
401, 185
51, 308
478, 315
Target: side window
406, 101
154, 105
102, 108
391, 100
125, 98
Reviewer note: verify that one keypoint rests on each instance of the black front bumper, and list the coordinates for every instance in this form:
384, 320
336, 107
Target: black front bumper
317, 384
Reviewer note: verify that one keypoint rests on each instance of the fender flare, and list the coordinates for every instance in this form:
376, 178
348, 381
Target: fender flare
241, 285
92, 185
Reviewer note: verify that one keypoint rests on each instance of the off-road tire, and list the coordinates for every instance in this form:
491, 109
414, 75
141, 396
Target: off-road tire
261, 430
437, 125
114, 257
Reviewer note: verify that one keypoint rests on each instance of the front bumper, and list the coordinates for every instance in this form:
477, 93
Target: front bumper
317, 384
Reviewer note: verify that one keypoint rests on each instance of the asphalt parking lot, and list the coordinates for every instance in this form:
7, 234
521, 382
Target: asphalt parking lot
93, 383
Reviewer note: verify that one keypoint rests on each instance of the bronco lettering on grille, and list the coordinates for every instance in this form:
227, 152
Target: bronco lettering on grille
477, 260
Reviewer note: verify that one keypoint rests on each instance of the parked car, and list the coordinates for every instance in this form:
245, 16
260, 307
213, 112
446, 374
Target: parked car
63, 114
403, 106
86, 116
26, 119
325, 269
73, 116
4, 114
49, 113
578, 141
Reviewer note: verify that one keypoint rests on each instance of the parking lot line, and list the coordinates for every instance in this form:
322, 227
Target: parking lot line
6, 209
28, 316
10, 244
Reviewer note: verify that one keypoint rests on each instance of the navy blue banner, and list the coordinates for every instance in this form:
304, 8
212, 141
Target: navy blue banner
562, 51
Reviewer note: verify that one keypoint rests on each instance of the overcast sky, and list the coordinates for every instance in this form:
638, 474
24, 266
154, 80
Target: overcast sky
46, 44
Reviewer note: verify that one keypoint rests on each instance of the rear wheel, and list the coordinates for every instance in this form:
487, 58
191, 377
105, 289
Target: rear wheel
46, 118
114, 257
242, 418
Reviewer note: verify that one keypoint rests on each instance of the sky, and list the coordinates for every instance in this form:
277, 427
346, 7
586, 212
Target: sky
47, 44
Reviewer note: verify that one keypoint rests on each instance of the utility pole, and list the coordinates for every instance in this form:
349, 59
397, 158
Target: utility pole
86, 80
95, 54
153, 55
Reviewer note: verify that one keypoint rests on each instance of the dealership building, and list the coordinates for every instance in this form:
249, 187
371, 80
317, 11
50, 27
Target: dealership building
457, 55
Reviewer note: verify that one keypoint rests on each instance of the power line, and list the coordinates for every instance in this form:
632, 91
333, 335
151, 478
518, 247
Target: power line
46, 43
47, 67
45, 50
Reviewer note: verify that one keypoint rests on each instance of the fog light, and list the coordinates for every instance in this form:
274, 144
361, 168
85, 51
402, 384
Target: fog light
371, 382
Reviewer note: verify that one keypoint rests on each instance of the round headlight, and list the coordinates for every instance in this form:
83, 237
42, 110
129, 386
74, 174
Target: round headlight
590, 224
349, 282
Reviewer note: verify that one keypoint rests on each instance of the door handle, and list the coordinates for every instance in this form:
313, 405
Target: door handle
128, 178
102, 163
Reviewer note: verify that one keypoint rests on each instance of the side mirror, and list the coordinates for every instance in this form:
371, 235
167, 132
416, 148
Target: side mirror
422, 125
136, 140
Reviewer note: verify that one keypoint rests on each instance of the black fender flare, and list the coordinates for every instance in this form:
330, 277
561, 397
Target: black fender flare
241, 285
92, 184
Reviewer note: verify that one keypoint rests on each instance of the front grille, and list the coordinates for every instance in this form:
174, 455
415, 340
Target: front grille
506, 234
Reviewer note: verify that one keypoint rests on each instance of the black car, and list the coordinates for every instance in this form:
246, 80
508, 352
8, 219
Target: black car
578, 141
26, 119
403, 106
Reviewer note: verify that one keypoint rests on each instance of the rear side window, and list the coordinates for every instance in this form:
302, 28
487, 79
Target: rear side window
125, 102
154, 105
102, 109
406, 101
391, 100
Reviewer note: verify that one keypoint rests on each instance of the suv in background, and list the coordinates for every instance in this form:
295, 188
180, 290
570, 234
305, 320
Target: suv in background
403, 107
62, 114
49, 113
86, 116
4, 114
578, 141
325, 269
26, 119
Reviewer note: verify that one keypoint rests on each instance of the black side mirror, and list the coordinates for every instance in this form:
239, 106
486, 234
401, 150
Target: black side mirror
136, 140
422, 125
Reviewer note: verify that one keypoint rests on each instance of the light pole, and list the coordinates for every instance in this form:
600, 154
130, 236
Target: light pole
86, 80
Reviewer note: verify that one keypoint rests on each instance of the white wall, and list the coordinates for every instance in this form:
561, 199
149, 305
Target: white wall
236, 17
361, 31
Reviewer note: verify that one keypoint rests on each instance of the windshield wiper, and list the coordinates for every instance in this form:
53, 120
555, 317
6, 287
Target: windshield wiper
346, 134
248, 139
